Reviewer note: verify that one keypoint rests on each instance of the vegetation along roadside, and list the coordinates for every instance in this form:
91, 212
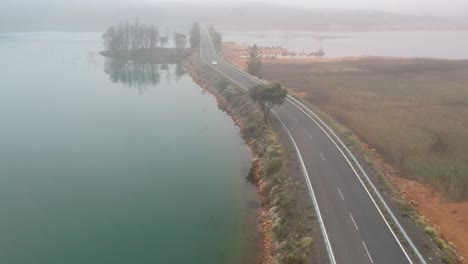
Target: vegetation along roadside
287, 220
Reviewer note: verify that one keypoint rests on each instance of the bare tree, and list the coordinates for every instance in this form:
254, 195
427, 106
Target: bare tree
130, 36
180, 40
216, 37
195, 35
254, 60
164, 41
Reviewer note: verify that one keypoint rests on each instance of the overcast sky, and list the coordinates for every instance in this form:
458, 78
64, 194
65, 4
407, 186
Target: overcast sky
407, 6
430, 7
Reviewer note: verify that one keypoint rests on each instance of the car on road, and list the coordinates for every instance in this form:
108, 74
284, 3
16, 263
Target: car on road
214, 62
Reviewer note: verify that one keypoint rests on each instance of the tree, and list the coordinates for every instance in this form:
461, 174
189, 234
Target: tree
216, 37
164, 40
254, 60
153, 34
222, 85
128, 36
267, 96
195, 36
180, 40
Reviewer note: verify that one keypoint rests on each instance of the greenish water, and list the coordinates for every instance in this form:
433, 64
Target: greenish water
111, 162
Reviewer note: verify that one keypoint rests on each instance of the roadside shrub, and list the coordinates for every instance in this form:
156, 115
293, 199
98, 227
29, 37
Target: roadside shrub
273, 166
278, 230
306, 242
294, 258
420, 220
440, 243
273, 151
229, 93
447, 259
429, 230
222, 85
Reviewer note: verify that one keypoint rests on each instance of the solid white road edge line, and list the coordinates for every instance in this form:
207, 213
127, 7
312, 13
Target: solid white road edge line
312, 194
289, 100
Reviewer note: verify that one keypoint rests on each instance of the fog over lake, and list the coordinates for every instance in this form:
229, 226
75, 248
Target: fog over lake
427, 44
113, 162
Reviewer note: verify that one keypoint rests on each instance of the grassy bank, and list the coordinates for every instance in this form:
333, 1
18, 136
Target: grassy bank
412, 111
288, 222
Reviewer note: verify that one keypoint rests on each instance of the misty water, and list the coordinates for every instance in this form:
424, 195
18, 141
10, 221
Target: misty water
426, 44
110, 162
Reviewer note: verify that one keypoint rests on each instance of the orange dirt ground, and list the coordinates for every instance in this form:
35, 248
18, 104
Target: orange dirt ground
449, 218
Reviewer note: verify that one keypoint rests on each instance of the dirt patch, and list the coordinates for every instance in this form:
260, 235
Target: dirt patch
449, 218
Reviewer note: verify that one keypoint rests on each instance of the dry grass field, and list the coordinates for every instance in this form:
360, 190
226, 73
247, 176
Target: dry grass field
412, 111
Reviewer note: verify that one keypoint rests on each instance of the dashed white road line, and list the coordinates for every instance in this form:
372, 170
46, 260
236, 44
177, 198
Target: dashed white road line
340, 193
368, 254
321, 155
354, 222
310, 136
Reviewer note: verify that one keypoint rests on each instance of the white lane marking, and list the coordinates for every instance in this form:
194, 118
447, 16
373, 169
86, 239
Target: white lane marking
310, 137
312, 194
368, 254
290, 99
366, 189
340, 193
354, 222
321, 155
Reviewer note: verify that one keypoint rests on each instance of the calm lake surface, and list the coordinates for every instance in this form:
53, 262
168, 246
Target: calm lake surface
429, 44
110, 162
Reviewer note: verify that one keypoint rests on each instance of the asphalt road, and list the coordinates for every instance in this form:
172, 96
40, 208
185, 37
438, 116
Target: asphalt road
353, 227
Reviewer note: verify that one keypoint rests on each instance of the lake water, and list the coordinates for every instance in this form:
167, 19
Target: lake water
110, 162
430, 44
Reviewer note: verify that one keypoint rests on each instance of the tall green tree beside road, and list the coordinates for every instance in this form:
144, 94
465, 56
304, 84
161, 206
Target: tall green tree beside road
254, 60
216, 37
267, 96
195, 35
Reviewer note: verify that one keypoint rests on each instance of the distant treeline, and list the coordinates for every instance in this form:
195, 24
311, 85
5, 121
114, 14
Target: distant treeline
215, 37
131, 36
126, 37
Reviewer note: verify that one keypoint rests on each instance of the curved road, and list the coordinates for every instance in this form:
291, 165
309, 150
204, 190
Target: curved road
353, 228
